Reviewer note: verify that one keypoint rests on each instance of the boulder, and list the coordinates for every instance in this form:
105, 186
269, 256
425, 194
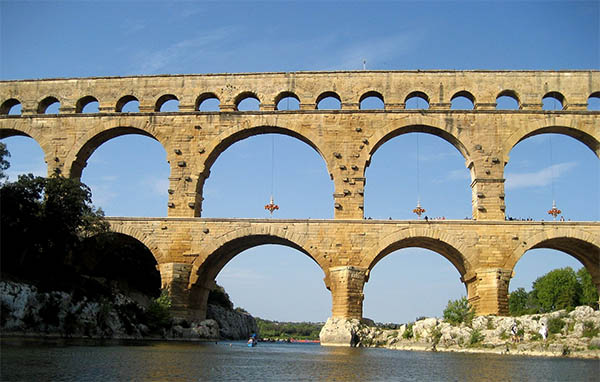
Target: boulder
340, 332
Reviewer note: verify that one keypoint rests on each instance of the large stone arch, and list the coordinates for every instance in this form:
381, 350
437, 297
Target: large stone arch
85, 145
221, 251
582, 245
420, 124
125, 229
435, 240
557, 125
43, 141
222, 142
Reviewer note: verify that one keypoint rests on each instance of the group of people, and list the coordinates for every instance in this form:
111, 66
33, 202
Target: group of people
517, 338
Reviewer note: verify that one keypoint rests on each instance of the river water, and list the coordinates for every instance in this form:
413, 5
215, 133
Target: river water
62, 360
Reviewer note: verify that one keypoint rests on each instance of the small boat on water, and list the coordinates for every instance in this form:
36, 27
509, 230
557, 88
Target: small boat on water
252, 341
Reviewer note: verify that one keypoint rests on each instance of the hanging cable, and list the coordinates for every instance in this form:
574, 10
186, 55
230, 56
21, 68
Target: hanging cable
418, 210
272, 206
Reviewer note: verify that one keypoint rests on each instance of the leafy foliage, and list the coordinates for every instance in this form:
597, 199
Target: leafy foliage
4, 164
218, 296
158, 314
590, 330
284, 330
558, 289
476, 337
43, 223
408, 333
555, 325
459, 311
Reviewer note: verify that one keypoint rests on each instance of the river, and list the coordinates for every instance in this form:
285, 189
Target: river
78, 360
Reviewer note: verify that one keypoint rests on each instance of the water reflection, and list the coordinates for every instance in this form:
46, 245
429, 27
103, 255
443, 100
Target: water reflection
234, 361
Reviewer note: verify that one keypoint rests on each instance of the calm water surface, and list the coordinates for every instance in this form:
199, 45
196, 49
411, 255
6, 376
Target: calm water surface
60, 360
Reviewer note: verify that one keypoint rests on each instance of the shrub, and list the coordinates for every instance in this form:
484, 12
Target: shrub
436, 335
535, 336
590, 330
218, 296
459, 311
408, 333
476, 337
555, 325
158, 314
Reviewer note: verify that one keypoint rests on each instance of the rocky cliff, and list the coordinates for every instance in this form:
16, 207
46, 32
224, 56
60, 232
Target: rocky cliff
573, 334
25, 310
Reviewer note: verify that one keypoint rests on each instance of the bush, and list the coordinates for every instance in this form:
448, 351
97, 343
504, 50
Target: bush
555, 325
158, 315
590, 330
459, 311
219, 297
476, 337
408, 333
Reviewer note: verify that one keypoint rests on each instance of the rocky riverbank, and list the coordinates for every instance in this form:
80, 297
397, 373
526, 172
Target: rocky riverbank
570, 334
27, 311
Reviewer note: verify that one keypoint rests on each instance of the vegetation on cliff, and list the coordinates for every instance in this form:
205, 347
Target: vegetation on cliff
286, 330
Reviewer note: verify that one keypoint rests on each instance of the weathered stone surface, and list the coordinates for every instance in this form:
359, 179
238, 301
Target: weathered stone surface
340, 332
232, 324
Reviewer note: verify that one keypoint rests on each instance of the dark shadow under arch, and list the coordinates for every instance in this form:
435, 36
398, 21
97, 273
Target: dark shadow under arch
8, 105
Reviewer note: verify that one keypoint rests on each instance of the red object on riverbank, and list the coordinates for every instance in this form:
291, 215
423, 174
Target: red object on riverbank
305, 341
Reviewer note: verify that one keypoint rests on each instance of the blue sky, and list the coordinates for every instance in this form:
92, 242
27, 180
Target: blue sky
47, 39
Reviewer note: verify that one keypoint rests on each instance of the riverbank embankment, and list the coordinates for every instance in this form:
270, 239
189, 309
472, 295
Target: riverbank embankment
29, 312
569, 334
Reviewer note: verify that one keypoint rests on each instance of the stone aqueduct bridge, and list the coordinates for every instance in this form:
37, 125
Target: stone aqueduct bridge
191, 250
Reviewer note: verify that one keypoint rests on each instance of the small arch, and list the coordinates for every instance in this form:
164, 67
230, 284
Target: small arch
417, 101
247, 101
508, 100
287, 101
167, 103
207, 102
371, 100
329, 101
86, 105
128, 104
463, 100
553, 101
11, 106
594, 102
49, 105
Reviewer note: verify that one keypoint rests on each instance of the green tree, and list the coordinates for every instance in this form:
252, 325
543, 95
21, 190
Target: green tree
459, 311
589, 292
43, 222
519, 303
557, 289
4, 164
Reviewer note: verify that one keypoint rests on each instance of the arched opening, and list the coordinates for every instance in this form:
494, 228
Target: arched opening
128, 104
329, 101
420, 166
290, 287
247, 101
594, 102
11, 106
507, 100
430, 272
127, 171
372, 101
49, 105
552, 166
26, 156
462, 100
574, 263
208, 102
287, 101
553, 101
114, 259
167, 103
267, 162
417, 101
87, 104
